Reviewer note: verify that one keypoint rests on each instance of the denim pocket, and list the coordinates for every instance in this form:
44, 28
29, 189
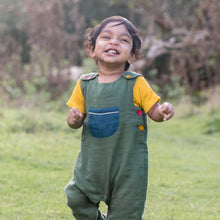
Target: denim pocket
103, 122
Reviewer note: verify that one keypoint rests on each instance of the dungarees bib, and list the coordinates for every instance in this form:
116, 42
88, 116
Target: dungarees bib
112, 165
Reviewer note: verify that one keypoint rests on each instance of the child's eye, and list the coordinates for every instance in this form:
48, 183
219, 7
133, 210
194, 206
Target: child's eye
105, 37
124, 40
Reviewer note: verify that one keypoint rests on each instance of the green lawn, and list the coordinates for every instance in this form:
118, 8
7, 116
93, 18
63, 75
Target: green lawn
38, 151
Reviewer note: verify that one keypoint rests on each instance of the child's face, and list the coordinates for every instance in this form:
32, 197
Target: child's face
113, 46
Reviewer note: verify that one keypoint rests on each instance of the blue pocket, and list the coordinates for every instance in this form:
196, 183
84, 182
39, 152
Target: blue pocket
103, 122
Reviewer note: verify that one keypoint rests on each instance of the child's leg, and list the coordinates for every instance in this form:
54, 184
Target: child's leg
128, 209
82, 207
127, 200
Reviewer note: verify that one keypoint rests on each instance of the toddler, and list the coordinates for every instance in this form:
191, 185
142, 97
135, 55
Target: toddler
112, 106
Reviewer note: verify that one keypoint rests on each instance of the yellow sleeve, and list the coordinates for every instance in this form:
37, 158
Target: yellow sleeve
144, 96
77, 98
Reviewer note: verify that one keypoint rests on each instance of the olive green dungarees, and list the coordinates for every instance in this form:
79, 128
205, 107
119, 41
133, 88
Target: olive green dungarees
112, 165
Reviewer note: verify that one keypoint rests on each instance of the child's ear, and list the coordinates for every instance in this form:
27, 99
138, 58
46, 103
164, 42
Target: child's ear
131, 59
90, 51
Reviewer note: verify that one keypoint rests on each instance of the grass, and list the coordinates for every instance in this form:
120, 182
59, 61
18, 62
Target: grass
38, 151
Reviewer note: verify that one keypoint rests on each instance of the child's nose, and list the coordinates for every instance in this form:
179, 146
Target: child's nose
114, 41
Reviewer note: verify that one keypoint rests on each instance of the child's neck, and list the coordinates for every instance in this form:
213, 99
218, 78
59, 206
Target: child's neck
109, 75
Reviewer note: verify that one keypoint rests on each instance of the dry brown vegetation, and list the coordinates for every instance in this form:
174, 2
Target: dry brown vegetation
40, 40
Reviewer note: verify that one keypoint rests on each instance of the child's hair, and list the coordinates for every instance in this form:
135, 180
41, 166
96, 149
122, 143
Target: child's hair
91, 35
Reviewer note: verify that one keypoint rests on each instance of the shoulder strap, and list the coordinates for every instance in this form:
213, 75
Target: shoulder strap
89, 76
131, 75
127, 75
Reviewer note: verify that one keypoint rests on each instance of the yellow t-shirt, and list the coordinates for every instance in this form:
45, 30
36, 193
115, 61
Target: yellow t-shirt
144, 96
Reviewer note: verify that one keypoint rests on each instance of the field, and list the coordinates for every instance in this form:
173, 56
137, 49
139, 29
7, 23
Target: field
38, 151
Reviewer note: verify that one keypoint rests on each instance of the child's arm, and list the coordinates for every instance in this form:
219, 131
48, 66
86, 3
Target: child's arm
75, 118
161, 112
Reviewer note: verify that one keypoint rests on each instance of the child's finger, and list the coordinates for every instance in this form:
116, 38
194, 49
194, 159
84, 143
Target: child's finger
165, 107
76, 113
167, 116
166, 110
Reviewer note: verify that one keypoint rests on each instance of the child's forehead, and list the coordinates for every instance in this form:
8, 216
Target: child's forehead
115, 25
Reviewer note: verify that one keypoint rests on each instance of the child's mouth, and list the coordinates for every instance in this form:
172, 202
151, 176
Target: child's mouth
112, 51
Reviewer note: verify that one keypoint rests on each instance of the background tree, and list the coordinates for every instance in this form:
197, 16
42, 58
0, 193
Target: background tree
41, 40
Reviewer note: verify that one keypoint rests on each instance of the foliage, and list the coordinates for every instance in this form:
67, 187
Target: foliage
186, 46
40, 40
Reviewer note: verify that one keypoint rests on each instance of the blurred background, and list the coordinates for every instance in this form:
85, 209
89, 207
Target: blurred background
42, 52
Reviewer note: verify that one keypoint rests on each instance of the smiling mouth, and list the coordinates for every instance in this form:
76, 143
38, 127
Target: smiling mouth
112, 51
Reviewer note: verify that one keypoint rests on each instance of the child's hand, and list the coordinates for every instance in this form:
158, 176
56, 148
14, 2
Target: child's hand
161, 112
166, 110
75, 118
